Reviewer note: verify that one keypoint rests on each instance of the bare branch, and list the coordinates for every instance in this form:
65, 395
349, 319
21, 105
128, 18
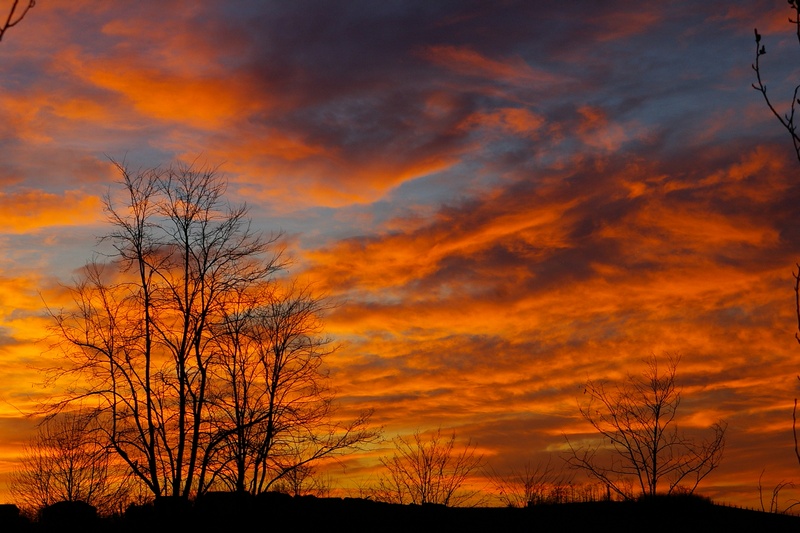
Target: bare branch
787, 119
68, 461
787, 122
208, 371
428, 470
774, 502
15, 15
531, 485
636, 421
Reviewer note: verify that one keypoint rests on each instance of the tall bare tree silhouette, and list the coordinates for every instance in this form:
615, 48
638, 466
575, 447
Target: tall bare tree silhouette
173, 335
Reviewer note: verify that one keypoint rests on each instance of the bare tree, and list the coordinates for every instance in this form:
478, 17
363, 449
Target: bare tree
138, 334
541, 483
271, 405
209, 371
15, 15
142, 335
304, 480
637, 424
428, 469
65, 461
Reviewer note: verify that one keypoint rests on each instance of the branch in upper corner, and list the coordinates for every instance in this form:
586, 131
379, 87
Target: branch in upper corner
15, 15
786, 119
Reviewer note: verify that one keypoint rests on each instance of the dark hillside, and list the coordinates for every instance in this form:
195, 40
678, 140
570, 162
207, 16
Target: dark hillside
230, 514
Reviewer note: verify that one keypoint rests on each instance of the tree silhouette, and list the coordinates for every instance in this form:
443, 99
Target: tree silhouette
67, 461
428, 469
270, 405
637, 422
164, 338
533, 484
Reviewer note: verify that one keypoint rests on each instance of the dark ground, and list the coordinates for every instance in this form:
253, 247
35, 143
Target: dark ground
229, 513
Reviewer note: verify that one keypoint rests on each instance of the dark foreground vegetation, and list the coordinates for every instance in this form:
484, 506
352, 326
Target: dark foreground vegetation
231, 513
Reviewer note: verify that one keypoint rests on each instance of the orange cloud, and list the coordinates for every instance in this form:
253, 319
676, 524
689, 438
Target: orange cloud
516, 121
597, 131
290, 173
467, 61
23, 328
545, 248
618, 24
35, 209
484, 312
204, 102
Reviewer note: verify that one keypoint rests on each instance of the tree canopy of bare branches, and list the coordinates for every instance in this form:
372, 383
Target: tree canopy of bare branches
207, 369
270, 404
533, 484
66, 461
428, 469
15, 15
640, 437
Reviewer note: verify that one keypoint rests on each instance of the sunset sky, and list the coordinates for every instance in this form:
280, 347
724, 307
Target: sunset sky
504, 199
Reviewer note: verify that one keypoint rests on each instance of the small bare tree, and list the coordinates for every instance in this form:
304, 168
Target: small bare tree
428, 469
774, 505
530, 485
637, 423
304, 480
15, 15
67, 461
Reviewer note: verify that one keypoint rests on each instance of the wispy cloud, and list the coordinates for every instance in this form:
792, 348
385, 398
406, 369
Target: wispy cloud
504, 199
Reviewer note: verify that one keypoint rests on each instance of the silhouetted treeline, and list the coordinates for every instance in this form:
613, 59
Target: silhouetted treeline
232, 512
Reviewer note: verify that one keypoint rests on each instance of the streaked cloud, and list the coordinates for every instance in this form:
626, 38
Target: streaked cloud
504, 199
29, 210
